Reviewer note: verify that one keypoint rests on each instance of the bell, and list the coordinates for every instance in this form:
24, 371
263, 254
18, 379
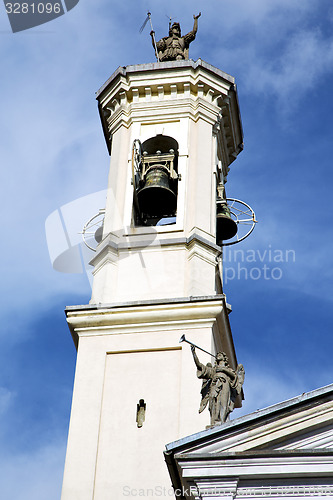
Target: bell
226, 227
99, 234
156, 198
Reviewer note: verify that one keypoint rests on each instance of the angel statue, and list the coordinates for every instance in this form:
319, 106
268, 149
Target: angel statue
175, 47
220, 387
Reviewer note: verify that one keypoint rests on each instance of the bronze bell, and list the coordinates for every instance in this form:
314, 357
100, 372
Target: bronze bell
226, 227
99, 234
156, 198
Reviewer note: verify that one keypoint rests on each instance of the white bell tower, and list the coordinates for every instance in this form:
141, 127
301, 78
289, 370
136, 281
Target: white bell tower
172, 130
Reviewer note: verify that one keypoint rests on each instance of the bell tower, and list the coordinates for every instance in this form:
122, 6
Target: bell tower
173, 129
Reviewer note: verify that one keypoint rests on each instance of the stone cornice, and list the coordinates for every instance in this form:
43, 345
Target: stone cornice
146, 315
171, 91
110, 247
143, 68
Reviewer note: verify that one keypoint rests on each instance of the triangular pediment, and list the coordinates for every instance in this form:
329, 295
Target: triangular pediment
300, 424
283, 450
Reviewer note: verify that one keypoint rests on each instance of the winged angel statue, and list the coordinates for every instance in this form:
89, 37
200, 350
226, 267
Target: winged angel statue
220, 388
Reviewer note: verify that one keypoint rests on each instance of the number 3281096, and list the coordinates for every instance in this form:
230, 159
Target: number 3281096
33, 8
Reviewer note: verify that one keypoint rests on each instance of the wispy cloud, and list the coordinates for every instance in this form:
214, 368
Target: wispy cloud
33, 475
275, 45
265, 389
53, 152
300, 67
6, 397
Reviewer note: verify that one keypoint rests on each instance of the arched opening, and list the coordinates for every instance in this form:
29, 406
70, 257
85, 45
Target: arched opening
156, 182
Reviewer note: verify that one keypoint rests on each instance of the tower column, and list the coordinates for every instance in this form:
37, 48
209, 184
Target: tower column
172, 138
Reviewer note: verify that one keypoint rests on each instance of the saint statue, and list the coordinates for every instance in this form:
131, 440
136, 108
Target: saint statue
175, 47
220, 388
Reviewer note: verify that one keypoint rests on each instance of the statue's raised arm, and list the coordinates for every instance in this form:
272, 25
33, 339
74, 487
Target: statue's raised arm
203, 371
195, 24
195, 357
191, 35
176, 47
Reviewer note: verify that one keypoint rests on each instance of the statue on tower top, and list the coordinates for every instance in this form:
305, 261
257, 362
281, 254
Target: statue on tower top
175, 47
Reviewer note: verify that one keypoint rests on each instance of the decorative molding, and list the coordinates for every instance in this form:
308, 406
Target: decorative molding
149, 317
193, 90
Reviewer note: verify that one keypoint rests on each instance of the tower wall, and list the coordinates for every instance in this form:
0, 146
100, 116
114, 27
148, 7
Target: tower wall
152, 284
196, 105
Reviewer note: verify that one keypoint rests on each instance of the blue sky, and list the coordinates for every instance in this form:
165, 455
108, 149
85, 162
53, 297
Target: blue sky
53, 153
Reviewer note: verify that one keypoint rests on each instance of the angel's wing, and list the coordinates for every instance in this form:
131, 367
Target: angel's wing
240, 372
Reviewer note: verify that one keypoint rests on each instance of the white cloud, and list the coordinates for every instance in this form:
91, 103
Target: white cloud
303, 63
265, 389
6, 398
273, 47
33, 475
53, 152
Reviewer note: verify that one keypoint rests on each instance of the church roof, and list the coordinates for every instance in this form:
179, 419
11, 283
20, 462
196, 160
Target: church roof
291, 438
309, 399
